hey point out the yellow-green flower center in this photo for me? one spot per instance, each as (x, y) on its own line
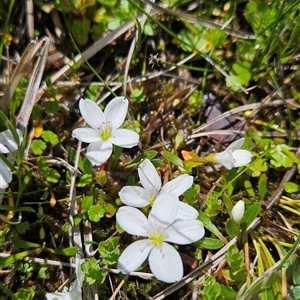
(105, 131)
(152, 200)
(156, 238)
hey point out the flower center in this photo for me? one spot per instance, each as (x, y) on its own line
(156, 239)
(105, 131)
(152, 200)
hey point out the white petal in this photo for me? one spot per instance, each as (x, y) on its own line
(3, 149)
(186, 212)
(86, 135)
(225, 158)
(7, 142)
(164, 210)
(54, 296)
(115, 111)
(178, 185)
(132, 220)
(165, 263)
(124, 138)
(134, 196)
(238, 211)
(98, 153)
(134, 255)
(79, 272)
(236, 144)
(184, 232)
(242, 157)
(5, 175)
(92, 113)
(73, 294)
(149, 177)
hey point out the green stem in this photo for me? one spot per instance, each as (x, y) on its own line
(12, 3)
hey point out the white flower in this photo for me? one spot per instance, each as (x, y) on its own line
(7, 142)
(238, 211)
(233, 156)
(7, 145)
(5, 175)
(152, 190)
(104, 131)
(160, 227)
(74, 292)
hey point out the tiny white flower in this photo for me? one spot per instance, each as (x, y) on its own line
(152, 190)
(160, 227)
(104, 131)
(238, 211)
(7, 145)
(233, 156)
(74, 292)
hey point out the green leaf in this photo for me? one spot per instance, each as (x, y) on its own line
(96, 212)
(262, 186)
(212, 292)
(50, 137)
(42, 272)
(231, 228)
(52, 175)
(93, 272)
(259, 166)
(23, 227)
(109, 250)
(209, 243)
(216, 37)
(241, 76)
(281, 156)
(296, 292)
(84, 180)
(209, 280)
(70, 251)
(101, 178)
(88, 201)
(179, 139)
(7, 261)
(24, 244)
(150, 154)
(19, 208)
(235, 258)
(52, 107)
(42, 164)
(172, 158)
(227, 202)
(192, 194)
(115, 24)
(87, 167)
(228, 293)
(291, 187)
(110, 3)
(80, 28)
(249, 188)
(25, 294)
(38, 146)
(251, 213)
(138, 95)
(148, 28)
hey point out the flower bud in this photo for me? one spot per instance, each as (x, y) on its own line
(238, 211)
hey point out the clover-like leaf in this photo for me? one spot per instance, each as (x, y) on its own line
(96, 212)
